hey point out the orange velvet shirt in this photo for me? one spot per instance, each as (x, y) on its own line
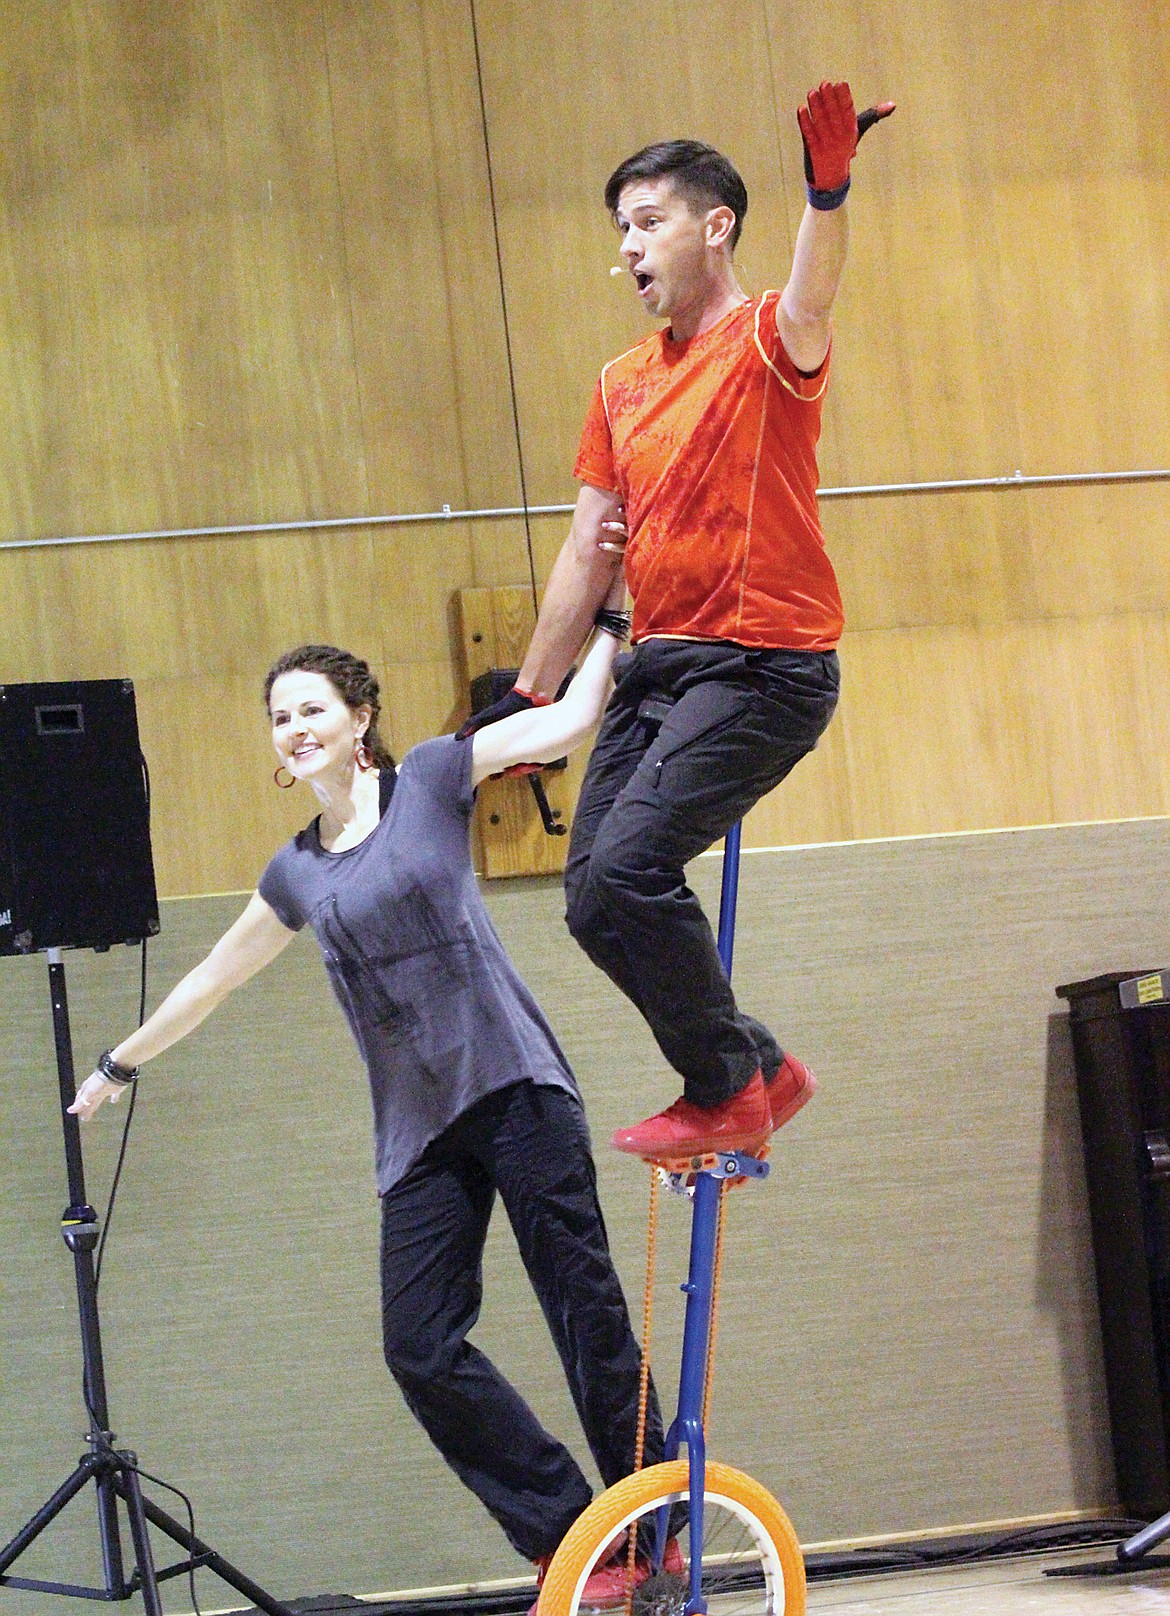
(711, 444)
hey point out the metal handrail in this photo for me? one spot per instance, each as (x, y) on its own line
(957, 485)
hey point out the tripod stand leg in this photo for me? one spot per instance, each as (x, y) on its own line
(136, 1509)
(114, 1474)
(49, 1511)
(111, 1541)
(223, 1569)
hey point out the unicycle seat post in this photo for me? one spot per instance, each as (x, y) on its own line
(699, 1291)
(699, 1288)
(752, 1544)
(725, 941)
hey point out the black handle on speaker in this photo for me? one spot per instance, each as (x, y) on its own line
(1157, 1148)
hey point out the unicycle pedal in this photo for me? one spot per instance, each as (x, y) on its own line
(737, 1166)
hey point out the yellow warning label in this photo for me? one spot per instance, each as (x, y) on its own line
(1150, 989)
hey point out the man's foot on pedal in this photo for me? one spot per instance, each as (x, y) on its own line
(605, 1587)
(790, 1086)
(741, 1123)
(673, 1564)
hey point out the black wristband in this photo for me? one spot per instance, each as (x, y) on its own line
(826, 201)
(113, 1072)
(615, 623)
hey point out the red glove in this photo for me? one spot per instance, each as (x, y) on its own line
(518, 769)
(831, 129)
(516, 701)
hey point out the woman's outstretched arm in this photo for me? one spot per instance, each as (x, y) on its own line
(255, 939)
(546, 733)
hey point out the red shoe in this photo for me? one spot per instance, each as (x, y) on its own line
(790, 1087)
(605, 1587)
(673, 1564)
(741, 1123)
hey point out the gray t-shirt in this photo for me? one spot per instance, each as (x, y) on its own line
(438, 1011)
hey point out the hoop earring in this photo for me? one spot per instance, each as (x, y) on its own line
(363, 757)
(285, 785)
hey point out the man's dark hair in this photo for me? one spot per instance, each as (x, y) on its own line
(703, 175)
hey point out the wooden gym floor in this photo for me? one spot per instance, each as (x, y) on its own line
(998, 1588)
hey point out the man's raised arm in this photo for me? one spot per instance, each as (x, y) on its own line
(830, 129)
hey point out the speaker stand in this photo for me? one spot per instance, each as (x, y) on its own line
(113, 1471)
(1132, 1555)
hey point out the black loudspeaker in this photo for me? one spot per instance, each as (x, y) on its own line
(75, 863)
(1120, 1027)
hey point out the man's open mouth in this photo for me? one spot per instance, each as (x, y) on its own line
(641, 279)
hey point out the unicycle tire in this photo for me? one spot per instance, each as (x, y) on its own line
(752, 1564)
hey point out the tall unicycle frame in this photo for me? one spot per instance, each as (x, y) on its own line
(743, 1552)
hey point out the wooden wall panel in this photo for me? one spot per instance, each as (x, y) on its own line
(1014, 554)
(247, 272)
(172, 259)
(303, 445)
(423, 284)
(248, 275)
(510, 836)
(569, 96)
(180, 608)
(1001, 202)
(973, 727)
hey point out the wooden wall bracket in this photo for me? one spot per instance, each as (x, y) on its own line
(495, 627)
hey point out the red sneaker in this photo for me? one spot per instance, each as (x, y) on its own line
(791, 1086)
(673, 1564)
(741, 1123)
(605, 1587)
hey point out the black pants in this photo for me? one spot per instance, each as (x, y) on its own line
(655, 796)
(531, 1143)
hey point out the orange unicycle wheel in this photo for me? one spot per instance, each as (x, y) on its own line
(751, 1560)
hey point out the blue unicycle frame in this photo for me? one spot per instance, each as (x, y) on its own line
(699, 1288)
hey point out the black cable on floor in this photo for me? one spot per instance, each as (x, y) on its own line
(930, 1554)
(935, 1553)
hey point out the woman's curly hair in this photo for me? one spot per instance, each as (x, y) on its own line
(349, 676)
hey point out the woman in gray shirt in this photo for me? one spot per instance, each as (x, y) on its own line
(471, 1093)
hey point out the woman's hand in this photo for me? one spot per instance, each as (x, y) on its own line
(94, 1092)
(618, 533)
(549, 732)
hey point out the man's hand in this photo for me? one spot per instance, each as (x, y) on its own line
(831, 129)
(516, 701)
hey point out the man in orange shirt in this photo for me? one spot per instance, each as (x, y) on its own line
(698, 459)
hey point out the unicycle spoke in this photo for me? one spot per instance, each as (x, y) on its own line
(740, 1569)
(751, 1561)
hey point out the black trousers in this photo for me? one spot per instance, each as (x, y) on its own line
(531, 1143)
(656, 795)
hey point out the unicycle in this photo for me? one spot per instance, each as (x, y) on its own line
(738, 1554)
